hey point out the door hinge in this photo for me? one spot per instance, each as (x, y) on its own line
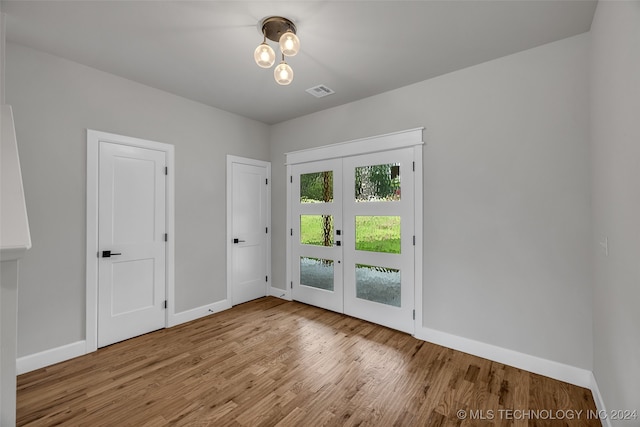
(291, 285)
(291, 232)
(291, 179)
(414, 240)
(266, 278)
(414, 315)
(414, 166)
(165, 303)
(166, 237)
(266, 230)
(166, 170)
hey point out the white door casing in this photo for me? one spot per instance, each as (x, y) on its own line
(248, 229)
(407, 146)
(129, 213)
(329, 278)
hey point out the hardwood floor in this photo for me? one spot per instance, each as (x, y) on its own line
(271, 362)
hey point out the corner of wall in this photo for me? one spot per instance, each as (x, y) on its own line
(198, 312)
(600, 406)
(50, 357)
(280, 293)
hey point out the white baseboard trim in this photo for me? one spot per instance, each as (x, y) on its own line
(549, 368)
(600, 406)
(79, 348)
(280, 293)
(198, 312)
(50, 357)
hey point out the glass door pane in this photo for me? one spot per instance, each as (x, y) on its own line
(378, 233)
(378, 284)
(375, 183)
(317, 273)
(316, 230)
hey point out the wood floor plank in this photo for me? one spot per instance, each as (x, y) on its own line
(271, 362)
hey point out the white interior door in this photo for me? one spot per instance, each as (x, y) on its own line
(378, 221)
(316, 233)
(249, 230)
(131, 242)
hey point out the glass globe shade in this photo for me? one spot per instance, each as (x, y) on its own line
(283, 74)
(289, 44)
(264, 55)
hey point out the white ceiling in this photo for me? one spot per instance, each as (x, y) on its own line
(203, 50)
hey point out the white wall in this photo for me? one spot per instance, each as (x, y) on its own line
(8, 339)
(54, 102)
(2, 50)
(615, 135)
(506, 195)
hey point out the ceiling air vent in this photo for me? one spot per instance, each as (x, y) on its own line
(320, 91)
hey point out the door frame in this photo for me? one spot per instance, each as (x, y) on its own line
(231, 159)
(373, 144)
(93, 161)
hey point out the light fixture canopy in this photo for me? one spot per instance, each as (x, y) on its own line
(283, 31)
(274, 27)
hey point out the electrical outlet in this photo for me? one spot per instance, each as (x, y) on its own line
(605, 246)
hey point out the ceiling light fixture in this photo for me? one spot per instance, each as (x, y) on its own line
(282, 31)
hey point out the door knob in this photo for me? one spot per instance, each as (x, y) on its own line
(238, 241)
(108, 254)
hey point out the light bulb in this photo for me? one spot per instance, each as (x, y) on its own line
(289, 44)
(264, 55)
(283, 74)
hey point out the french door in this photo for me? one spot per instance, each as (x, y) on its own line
(352, 236)
(317, 234)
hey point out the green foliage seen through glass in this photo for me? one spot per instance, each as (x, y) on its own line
(378, 234)
(377, 182)
(316, 230)
(316, 187)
